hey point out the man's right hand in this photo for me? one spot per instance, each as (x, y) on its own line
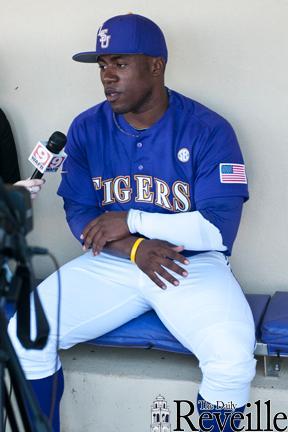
(153, 257)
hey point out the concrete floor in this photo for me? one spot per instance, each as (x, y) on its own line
(112, 389)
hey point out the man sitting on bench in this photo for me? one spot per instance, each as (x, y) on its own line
(153, 188)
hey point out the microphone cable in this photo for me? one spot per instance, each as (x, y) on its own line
(42, 251)
(55, 380)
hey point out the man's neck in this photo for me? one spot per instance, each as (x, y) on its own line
(152, 113)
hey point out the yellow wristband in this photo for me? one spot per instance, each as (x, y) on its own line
(135, 248)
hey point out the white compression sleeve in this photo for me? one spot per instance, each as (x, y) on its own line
(189, 229)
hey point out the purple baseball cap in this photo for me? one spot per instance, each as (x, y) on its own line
(127, 34)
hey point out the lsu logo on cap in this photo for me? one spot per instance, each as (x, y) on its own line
(104, 38)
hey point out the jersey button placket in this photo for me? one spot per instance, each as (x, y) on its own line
(140, 167)
(139, 145)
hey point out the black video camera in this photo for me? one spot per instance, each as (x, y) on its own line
(16, 287)
(16, 220)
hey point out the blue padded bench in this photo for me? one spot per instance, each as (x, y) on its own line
(274, 329)
(147, 331)
(271, 329)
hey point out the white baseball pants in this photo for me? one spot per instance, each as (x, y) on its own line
(207, 313)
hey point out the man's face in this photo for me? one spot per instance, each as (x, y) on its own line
(128, 82)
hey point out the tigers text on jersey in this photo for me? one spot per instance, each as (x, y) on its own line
(184, 158)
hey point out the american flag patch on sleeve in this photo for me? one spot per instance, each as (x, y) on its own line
(232, 173)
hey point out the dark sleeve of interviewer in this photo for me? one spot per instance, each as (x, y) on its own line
(9, 168)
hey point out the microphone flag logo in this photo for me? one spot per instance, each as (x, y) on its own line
(56, 162)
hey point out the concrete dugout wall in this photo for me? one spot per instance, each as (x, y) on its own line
(227, 54)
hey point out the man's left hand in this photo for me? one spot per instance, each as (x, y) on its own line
(108, 227)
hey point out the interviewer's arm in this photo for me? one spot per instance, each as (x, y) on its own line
(33, 185)
(9, 167)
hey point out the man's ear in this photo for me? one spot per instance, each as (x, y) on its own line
(157, 66)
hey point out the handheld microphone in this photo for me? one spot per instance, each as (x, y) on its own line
(41, 155)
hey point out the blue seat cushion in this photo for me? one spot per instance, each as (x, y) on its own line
(258, 304)
(274, 329)
(147, 331)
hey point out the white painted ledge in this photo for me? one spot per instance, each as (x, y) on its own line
(112, 389)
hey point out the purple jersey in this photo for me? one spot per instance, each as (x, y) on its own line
(187, 157)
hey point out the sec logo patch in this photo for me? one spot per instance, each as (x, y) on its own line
(183, 154)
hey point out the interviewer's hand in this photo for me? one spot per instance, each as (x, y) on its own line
(33, 185)
(105, 228)
(153, 257)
